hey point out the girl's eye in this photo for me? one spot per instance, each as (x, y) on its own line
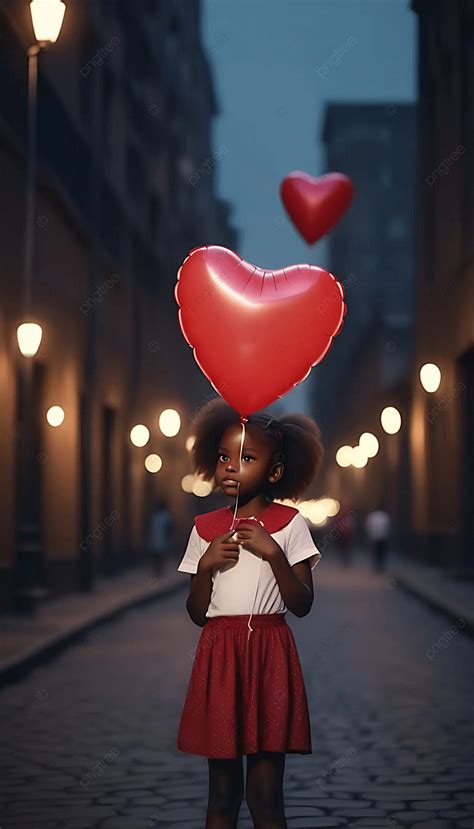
(221, 455)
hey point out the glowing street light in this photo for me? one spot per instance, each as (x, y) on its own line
(201, 488)
(331, 506)
(430, 377)
(391, 420)
(344, 456)
(188, 482)
(317, 512)
(153, 463)
(369, 444)
(170, 422)
(305, 508)
(47, 18)
(139, 435)
(359, 457)
(29, 336)
(55, 415)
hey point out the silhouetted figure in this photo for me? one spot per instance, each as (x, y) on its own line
(377, 527)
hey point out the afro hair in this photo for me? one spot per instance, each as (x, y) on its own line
(299, 448)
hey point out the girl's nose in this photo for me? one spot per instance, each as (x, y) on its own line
(230, 467)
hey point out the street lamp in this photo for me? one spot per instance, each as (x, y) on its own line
(317, 512)
(430, 377)
(47, 17)
(344, 456)
(187, 483)
(29, 335)
(139, 435)
(55, 415)
(369, 443)
(29, 577)
(169, 422)
(153, 463)
(391, 420)
(201, 488)
(331, 506)
(359, 457)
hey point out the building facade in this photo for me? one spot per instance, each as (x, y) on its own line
(424, 473)
(124, 189)
(442, 423)
(371, 251)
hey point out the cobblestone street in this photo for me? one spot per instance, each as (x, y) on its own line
(89, 738)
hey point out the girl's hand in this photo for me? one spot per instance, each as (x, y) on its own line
(256, 539)
(221, 550)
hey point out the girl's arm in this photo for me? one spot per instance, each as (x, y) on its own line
(295, 583)
(199, 596)
(220, 551)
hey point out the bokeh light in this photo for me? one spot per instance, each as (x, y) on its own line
(359, 457)
(29, 336)
(430, 377)
(201, 488)
(153, 463)
(169, 422)
(369, 444)
(344, 456)
(187, 483)
(139, 435)
(391, 420)
(55, 415)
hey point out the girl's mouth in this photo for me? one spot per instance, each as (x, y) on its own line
(228, 482)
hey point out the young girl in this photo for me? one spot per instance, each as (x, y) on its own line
(249, 562)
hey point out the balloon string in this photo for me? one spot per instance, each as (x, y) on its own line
(243, 421)
(242, 438)
(254, 597)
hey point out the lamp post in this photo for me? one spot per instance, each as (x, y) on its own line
(47, 17)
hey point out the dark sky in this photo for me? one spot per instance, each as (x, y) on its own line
(266, 55)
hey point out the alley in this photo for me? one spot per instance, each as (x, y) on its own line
(89, 738)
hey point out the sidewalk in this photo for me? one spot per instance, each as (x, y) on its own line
(452, 597)
(26, 640)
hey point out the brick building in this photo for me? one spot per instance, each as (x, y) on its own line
(371, 251)
(125, 189)
(442, 424)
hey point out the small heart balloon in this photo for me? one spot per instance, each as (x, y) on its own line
(315, 205)
(256, 333)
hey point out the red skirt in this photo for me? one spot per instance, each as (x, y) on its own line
(246, 691)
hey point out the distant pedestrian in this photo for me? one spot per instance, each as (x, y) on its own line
(378, 527)
(160, 534)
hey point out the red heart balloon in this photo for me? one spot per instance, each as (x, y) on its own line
(315, 205)
(256, 333)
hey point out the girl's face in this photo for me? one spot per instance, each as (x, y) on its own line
(257, 468)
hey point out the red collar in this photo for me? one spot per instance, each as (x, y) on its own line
(211, 524)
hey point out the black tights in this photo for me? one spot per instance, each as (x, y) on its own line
(263, 791)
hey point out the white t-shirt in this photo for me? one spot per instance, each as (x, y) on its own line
(249, 585)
